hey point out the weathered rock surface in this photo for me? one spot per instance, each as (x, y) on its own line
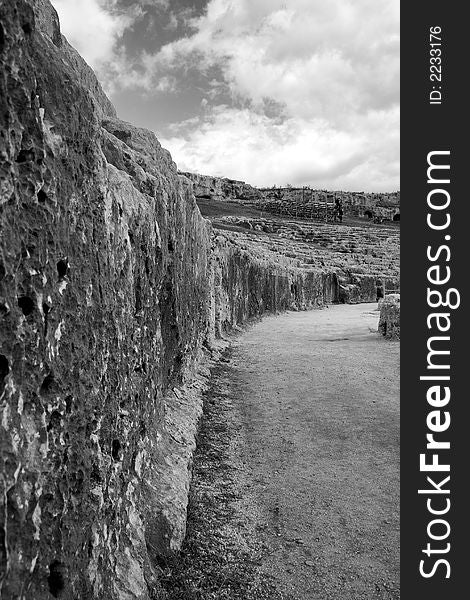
(112, 289)
(222, 188)
(104, 298)
(389, 321)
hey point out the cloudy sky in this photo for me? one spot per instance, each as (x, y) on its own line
(304, 92)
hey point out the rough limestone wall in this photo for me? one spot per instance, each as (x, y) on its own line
(389, 321)
(357, 288)
(111, 286)
(104, 300)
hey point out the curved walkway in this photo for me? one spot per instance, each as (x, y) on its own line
(316, 396)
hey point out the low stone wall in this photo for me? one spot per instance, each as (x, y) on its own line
(248, 282)
(389, 321)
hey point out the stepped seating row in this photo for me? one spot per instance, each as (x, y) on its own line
(366, 250)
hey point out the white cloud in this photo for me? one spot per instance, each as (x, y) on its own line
(93, 27)
(318, 82)
(314, 56)
(333, 67)
(249, 146)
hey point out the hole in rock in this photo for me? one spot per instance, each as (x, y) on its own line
(68, 404)
(161, 561)
(4, 369)
(47, 383)
(171, 246)
(46, 309)
(2, 271)
(56, 579)
(42, 196)
(26, 304)
(25, 156)
(396, 217)
(54, 420)
(138, 296)
(116, 450)
(62, 267)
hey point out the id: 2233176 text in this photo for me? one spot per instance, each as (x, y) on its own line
(435, 64)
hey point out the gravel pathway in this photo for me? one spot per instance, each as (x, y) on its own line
(295, 492)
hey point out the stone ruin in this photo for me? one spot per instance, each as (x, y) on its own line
(300, 202)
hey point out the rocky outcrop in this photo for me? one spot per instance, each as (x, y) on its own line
(104, 302)
(389, 321)
(222, 188)
(113, 289)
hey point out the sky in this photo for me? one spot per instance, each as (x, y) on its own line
(272, 92)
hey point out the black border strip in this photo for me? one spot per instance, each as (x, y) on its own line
(425, 128)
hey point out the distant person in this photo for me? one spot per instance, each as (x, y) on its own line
(338, 210)
(380, 290)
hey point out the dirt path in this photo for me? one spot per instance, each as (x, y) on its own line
(308, 408)
(317, 393)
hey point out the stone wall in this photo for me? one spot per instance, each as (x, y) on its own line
(248, 282)
(389, 321)
(113, 289)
